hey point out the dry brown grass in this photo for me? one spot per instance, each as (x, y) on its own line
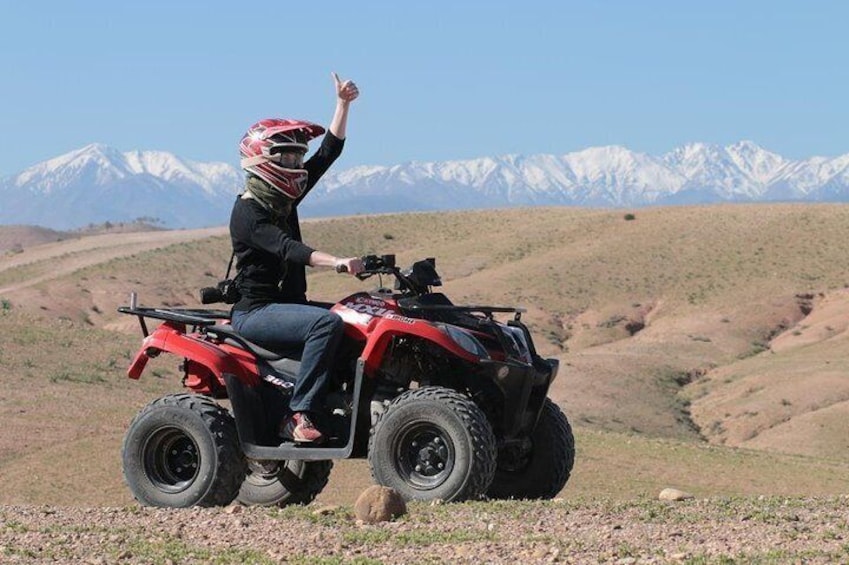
(721, 347)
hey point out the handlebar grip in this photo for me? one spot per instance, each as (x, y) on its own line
(341, 268)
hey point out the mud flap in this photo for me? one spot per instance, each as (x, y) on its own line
(257, 419)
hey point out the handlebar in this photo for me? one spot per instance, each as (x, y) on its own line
(379, 264)
(373, 265)
(421, 276)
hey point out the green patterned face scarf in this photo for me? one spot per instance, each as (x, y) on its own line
(271, 198)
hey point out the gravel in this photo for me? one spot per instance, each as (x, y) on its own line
(770, 530)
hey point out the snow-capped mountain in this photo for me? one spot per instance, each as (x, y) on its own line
(598, 176)
(97, 183)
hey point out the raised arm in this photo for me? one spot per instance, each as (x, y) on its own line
(346, 92)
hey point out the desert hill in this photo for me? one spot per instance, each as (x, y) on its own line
(14, 239)
(17, 238)
(701, 346)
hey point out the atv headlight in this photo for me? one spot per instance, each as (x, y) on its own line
(465, 340)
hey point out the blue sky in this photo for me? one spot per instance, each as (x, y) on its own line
(439, 80)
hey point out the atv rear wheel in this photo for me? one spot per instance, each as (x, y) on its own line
(433, 443)
(540, 468)
(283, 482)
(183, 450)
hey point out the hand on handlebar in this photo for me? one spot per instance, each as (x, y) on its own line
(351, 265)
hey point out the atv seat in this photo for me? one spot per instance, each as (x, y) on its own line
(227, 334)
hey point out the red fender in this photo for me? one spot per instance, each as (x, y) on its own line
(171, 337)
(391, 326)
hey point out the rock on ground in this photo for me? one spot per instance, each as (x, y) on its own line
(379, 504)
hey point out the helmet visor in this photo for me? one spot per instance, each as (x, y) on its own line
(288, 155)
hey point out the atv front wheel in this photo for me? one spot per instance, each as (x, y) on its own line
(433, 443)
(183, 450)
(283, 482)
(540, 468)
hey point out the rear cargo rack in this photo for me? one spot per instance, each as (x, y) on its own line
(197, 317)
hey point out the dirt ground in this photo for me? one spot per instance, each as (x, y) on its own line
(745, 530)
(760, 396)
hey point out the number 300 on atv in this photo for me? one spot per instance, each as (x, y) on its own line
(445, 401)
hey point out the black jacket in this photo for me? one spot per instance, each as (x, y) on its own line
(270, 255)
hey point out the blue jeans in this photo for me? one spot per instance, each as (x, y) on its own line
(286, 327)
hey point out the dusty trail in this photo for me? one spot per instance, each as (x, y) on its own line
(54, 260)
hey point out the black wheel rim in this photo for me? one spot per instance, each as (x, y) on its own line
(171, 459)
(424, 455)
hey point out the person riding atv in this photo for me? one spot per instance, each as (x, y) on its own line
(270, 255)
(445, 401)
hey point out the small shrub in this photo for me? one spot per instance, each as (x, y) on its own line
(629, 217)
(757, 347)
(388, 236)
(5, 305)
(72, 377)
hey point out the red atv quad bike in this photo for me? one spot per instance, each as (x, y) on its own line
(445, 401)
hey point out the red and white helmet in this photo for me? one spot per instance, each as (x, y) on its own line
(273, 150)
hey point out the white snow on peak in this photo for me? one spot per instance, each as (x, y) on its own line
(99, 164)
(97, 181)
(170, 168)
(758, 163)
(96, 163)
